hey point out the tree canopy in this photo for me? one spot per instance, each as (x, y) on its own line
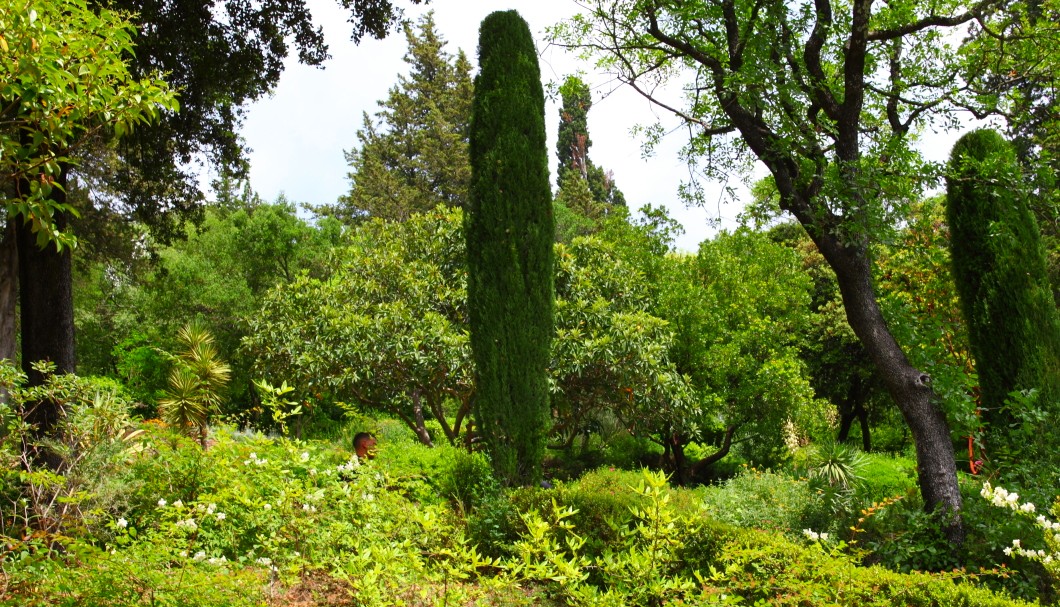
(826, 96)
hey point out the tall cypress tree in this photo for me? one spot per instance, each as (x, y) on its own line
(509, 230)
(1005, 295)
(572, 149)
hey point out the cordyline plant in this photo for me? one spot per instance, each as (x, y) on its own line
(196, 383)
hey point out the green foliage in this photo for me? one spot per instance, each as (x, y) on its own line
(887, 476)
(196, 382)
(274, 400)
(509, 230)
(584, 188)
(640, 569)
(253, 520)
(65, 81)
(764, 569)
(385, 331)
(93, 439)
(770, 501)
(609, 353)
(414, 155)
(1006, 298)
(93, 576)
(127, 310)
(468, 481)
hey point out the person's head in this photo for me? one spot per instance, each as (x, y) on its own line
(364, 445)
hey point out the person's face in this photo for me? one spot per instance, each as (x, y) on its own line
(366, 449)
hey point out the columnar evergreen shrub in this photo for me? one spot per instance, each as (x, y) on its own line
(509, 230)
(999, 268)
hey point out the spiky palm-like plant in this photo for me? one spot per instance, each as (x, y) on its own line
(196, 383)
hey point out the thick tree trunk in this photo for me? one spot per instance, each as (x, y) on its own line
(677, 444)
(910, 388)
(47, 315)
(8, 292)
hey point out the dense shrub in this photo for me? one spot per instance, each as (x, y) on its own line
(769, 501)
(765, 567)
(903, 538)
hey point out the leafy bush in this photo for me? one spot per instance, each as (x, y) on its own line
(468, 480)
(768, 569)
(903, 538)
(92, 441)
(768, 501)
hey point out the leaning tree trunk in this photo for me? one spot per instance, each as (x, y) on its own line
(910, 387)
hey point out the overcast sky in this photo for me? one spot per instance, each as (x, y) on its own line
(297, 136)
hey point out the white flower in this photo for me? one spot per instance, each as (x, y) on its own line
(1048, 559)
(1013, 498)
(1028, 507)
(220, 516)
(217, 560)
(312, 472)
(253, 456)
(1015, 543)
(305, 456)
(264, 561)
(211, 508)
(122, 523)
(268, 506)
(1007, 551)
(162, 503)
(824, 536)
(189, 523)
(200, 555)
(183, 554)
(1042, 521)
(178, 504)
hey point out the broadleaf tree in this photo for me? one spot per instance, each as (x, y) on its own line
(64, 81)
(827, 96)
(510, 230)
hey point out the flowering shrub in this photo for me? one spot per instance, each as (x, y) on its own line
(1050, 530)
